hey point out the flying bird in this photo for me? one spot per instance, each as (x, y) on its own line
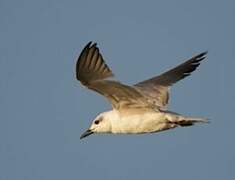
(137, 109)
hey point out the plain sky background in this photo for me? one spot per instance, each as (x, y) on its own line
(44, 109)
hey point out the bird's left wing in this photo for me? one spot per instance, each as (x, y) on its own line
(156, 89)
(93, 72)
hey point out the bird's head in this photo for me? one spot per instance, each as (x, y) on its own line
(101, 124)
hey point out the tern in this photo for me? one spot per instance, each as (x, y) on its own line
(137, 109)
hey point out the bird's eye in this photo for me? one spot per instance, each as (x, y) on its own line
(97, 122)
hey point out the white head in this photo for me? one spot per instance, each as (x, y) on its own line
(101, 124)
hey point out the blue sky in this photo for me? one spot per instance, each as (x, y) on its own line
(43, 109)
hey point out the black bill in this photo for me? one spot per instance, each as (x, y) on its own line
(86, 133)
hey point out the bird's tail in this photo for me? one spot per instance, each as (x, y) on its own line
(189, 121)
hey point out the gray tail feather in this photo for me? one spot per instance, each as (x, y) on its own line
(191, 121)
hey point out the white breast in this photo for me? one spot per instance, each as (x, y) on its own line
(138, 123)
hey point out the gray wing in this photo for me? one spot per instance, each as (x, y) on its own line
(93, 72)
(156, 89)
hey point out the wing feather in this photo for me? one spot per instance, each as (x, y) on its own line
(93, 72)
(88, 65)
(157, 88)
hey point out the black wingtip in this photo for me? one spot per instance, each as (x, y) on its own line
(89, 44)
(200, 57)
(85, 48)
(94, 45)
(83, 53)
(203, 53)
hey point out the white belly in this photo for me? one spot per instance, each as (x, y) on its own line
(140, 123)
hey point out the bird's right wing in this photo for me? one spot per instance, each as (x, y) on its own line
(93, 72)
(156, 89)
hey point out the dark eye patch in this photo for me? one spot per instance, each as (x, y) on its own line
(97, 122)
